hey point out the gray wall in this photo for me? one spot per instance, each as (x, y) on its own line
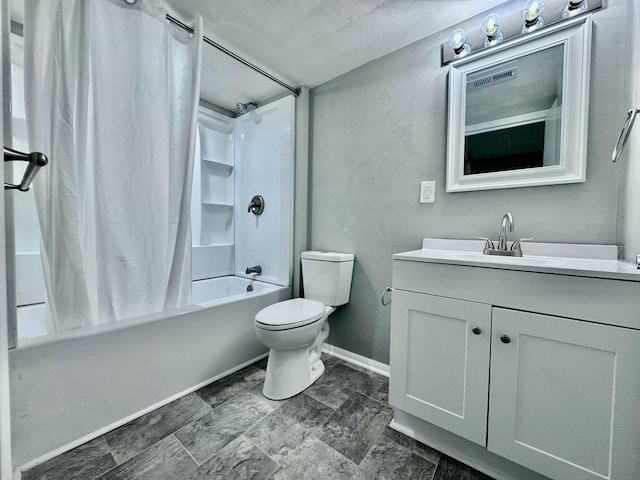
(379, 130)
(631, 157)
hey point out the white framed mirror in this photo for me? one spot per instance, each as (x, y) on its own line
(518, 112)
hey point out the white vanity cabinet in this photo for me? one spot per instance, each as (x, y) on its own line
(440, 367)
(564, 396)
(532, 382)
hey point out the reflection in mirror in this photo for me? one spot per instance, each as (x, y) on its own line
(513, 114)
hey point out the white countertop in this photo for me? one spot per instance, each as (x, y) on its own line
(583, 260)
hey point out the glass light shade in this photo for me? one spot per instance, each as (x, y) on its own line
(456, 42)
(531, 14)
(575, 7)
(491, 28)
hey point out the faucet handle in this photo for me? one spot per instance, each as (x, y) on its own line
(488, 243)
(516, 245)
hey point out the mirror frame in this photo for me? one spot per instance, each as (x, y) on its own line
(575, 36)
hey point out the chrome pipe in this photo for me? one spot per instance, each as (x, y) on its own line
(294, 90)
(624, 134)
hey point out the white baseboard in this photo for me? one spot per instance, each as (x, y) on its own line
(359, 360)
(93, 435)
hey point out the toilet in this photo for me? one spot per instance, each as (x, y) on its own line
(295, 330)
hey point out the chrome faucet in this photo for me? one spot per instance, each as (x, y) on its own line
(503, 246)
(257, 270)
(507, 222)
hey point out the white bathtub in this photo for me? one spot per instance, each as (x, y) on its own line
(75, 385)
(32, 319)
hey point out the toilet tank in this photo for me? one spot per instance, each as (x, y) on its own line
(327, 277)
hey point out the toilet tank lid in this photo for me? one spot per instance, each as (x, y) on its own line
(328, 256)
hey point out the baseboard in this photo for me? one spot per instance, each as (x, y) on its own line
(356, 359)
(93, 435)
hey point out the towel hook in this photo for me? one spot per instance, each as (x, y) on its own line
(36, 161)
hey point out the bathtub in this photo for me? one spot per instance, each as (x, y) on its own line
(73, 386)
(32, 319)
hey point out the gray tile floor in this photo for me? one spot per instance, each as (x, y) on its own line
(337, 428)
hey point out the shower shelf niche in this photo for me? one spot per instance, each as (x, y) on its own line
(225, 168)
(213, 197)
(218, 204)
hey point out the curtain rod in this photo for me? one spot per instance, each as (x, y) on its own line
(175, 21)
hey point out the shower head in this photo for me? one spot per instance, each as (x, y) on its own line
(246, 107)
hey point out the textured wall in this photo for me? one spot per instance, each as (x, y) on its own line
(631, 158)
(379, 130)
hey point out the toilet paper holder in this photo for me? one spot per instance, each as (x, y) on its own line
(382, 297)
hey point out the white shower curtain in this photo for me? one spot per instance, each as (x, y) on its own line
(111, 94)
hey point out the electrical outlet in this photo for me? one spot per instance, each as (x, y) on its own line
(428, 191)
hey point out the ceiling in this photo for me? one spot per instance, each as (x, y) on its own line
(305, 42)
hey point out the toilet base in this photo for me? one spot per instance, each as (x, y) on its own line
(290, 372)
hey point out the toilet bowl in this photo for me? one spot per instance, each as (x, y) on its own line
(294, 330)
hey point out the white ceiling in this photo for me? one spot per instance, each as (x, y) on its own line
(306, 42)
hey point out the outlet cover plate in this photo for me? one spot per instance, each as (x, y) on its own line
(428, 191)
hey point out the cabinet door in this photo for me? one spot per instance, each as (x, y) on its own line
(564, 396)
(439, 366)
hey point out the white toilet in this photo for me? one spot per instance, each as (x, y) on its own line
(295, 329)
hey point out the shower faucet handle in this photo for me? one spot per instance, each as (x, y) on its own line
(257, 270)
(256, 205)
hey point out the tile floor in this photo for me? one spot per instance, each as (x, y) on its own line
(337, 428)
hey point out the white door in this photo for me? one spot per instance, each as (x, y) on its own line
(564, 396)
(440, 361)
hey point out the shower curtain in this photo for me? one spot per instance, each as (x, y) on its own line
(111, 94)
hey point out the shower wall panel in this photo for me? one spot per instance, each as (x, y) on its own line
(213, 196)
(264, 166)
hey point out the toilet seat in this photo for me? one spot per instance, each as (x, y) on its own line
(294, 313)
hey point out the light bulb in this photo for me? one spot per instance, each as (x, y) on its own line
(491, 28)
(456, 42)
(575, 7)
(531, 14)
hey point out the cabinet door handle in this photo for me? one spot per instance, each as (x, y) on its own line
(505, 339)
(476, 331)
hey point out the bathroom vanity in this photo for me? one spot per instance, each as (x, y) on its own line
(519, 365)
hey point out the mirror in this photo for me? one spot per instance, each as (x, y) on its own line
(518, 111)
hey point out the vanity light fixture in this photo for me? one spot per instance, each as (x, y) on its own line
(456, 42)
(531, 13)
(491, 28)
(575, 7)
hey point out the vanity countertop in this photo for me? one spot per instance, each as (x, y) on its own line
(582, 260)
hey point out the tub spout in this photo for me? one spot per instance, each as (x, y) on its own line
(257, 270)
